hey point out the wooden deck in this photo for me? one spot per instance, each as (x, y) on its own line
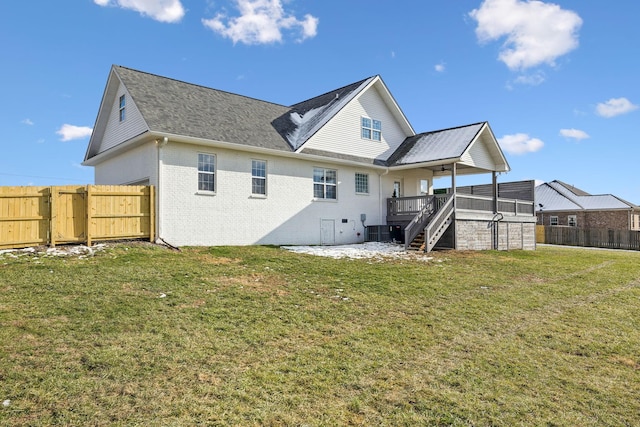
(402, 210)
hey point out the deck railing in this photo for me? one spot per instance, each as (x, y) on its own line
(403, 206)
(422, 218)
(485, 204)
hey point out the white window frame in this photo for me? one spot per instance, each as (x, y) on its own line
(203, 171)
(324, 184)
(256, 178)
(572, 220)
(553, 220)
(370, 129)
(364, 180)
(122, 107)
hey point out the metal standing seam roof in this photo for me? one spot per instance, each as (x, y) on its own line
(558, 196)
(438, 145)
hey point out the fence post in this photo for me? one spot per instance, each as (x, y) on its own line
(152, 213)
(53, 215)
(88, 217)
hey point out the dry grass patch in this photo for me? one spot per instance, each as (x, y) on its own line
(141, 335)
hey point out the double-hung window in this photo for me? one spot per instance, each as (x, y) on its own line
(259, 177)
(122, 108)
(572, 221)
(206, 172)
(553, 220)
(325, 183)
(371, 129)
(362, 183)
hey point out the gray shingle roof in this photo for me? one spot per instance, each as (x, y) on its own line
(175, 107)
(306, 118)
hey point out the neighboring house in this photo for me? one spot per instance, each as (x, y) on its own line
(233, 170)
(558, 203)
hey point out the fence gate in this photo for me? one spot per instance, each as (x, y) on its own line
(75, 214)
(68, 222)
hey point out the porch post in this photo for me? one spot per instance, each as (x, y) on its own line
(494, 181)
(455, 191)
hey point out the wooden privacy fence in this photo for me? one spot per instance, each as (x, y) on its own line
(75, 214)
(592, 237)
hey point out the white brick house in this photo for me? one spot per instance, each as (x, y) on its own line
(232, 170)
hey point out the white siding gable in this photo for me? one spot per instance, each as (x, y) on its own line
(479, 156)
(342, 134)
(117, 132)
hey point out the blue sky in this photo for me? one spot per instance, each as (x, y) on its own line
(557, 81)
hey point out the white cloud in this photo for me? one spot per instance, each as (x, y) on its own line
(520, 143)
(440, 67)
(27, 122)
(261, 22)
(160, 10)
(574, 134)
(71, 132)
(536, 32)
(615, 107)
(534, 79)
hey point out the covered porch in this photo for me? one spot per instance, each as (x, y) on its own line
(424, 220)
(467, 217)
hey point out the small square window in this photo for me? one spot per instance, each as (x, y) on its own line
(325, 183)
(371, 129)
(553, 220)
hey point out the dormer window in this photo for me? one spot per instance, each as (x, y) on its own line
(371, 129)
(123, 104)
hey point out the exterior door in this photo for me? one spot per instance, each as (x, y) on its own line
(327, 232)
(397, 188)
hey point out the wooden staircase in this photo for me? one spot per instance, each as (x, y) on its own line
(417, 244)
(436, 225)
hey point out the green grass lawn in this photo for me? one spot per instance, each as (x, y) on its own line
(253, 336)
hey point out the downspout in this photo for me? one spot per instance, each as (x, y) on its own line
(380, 195)
(159, 189)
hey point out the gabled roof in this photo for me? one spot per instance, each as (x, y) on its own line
(447, 145)
(559, 196)
(304, 119)
(192, 112)
(177, 108)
